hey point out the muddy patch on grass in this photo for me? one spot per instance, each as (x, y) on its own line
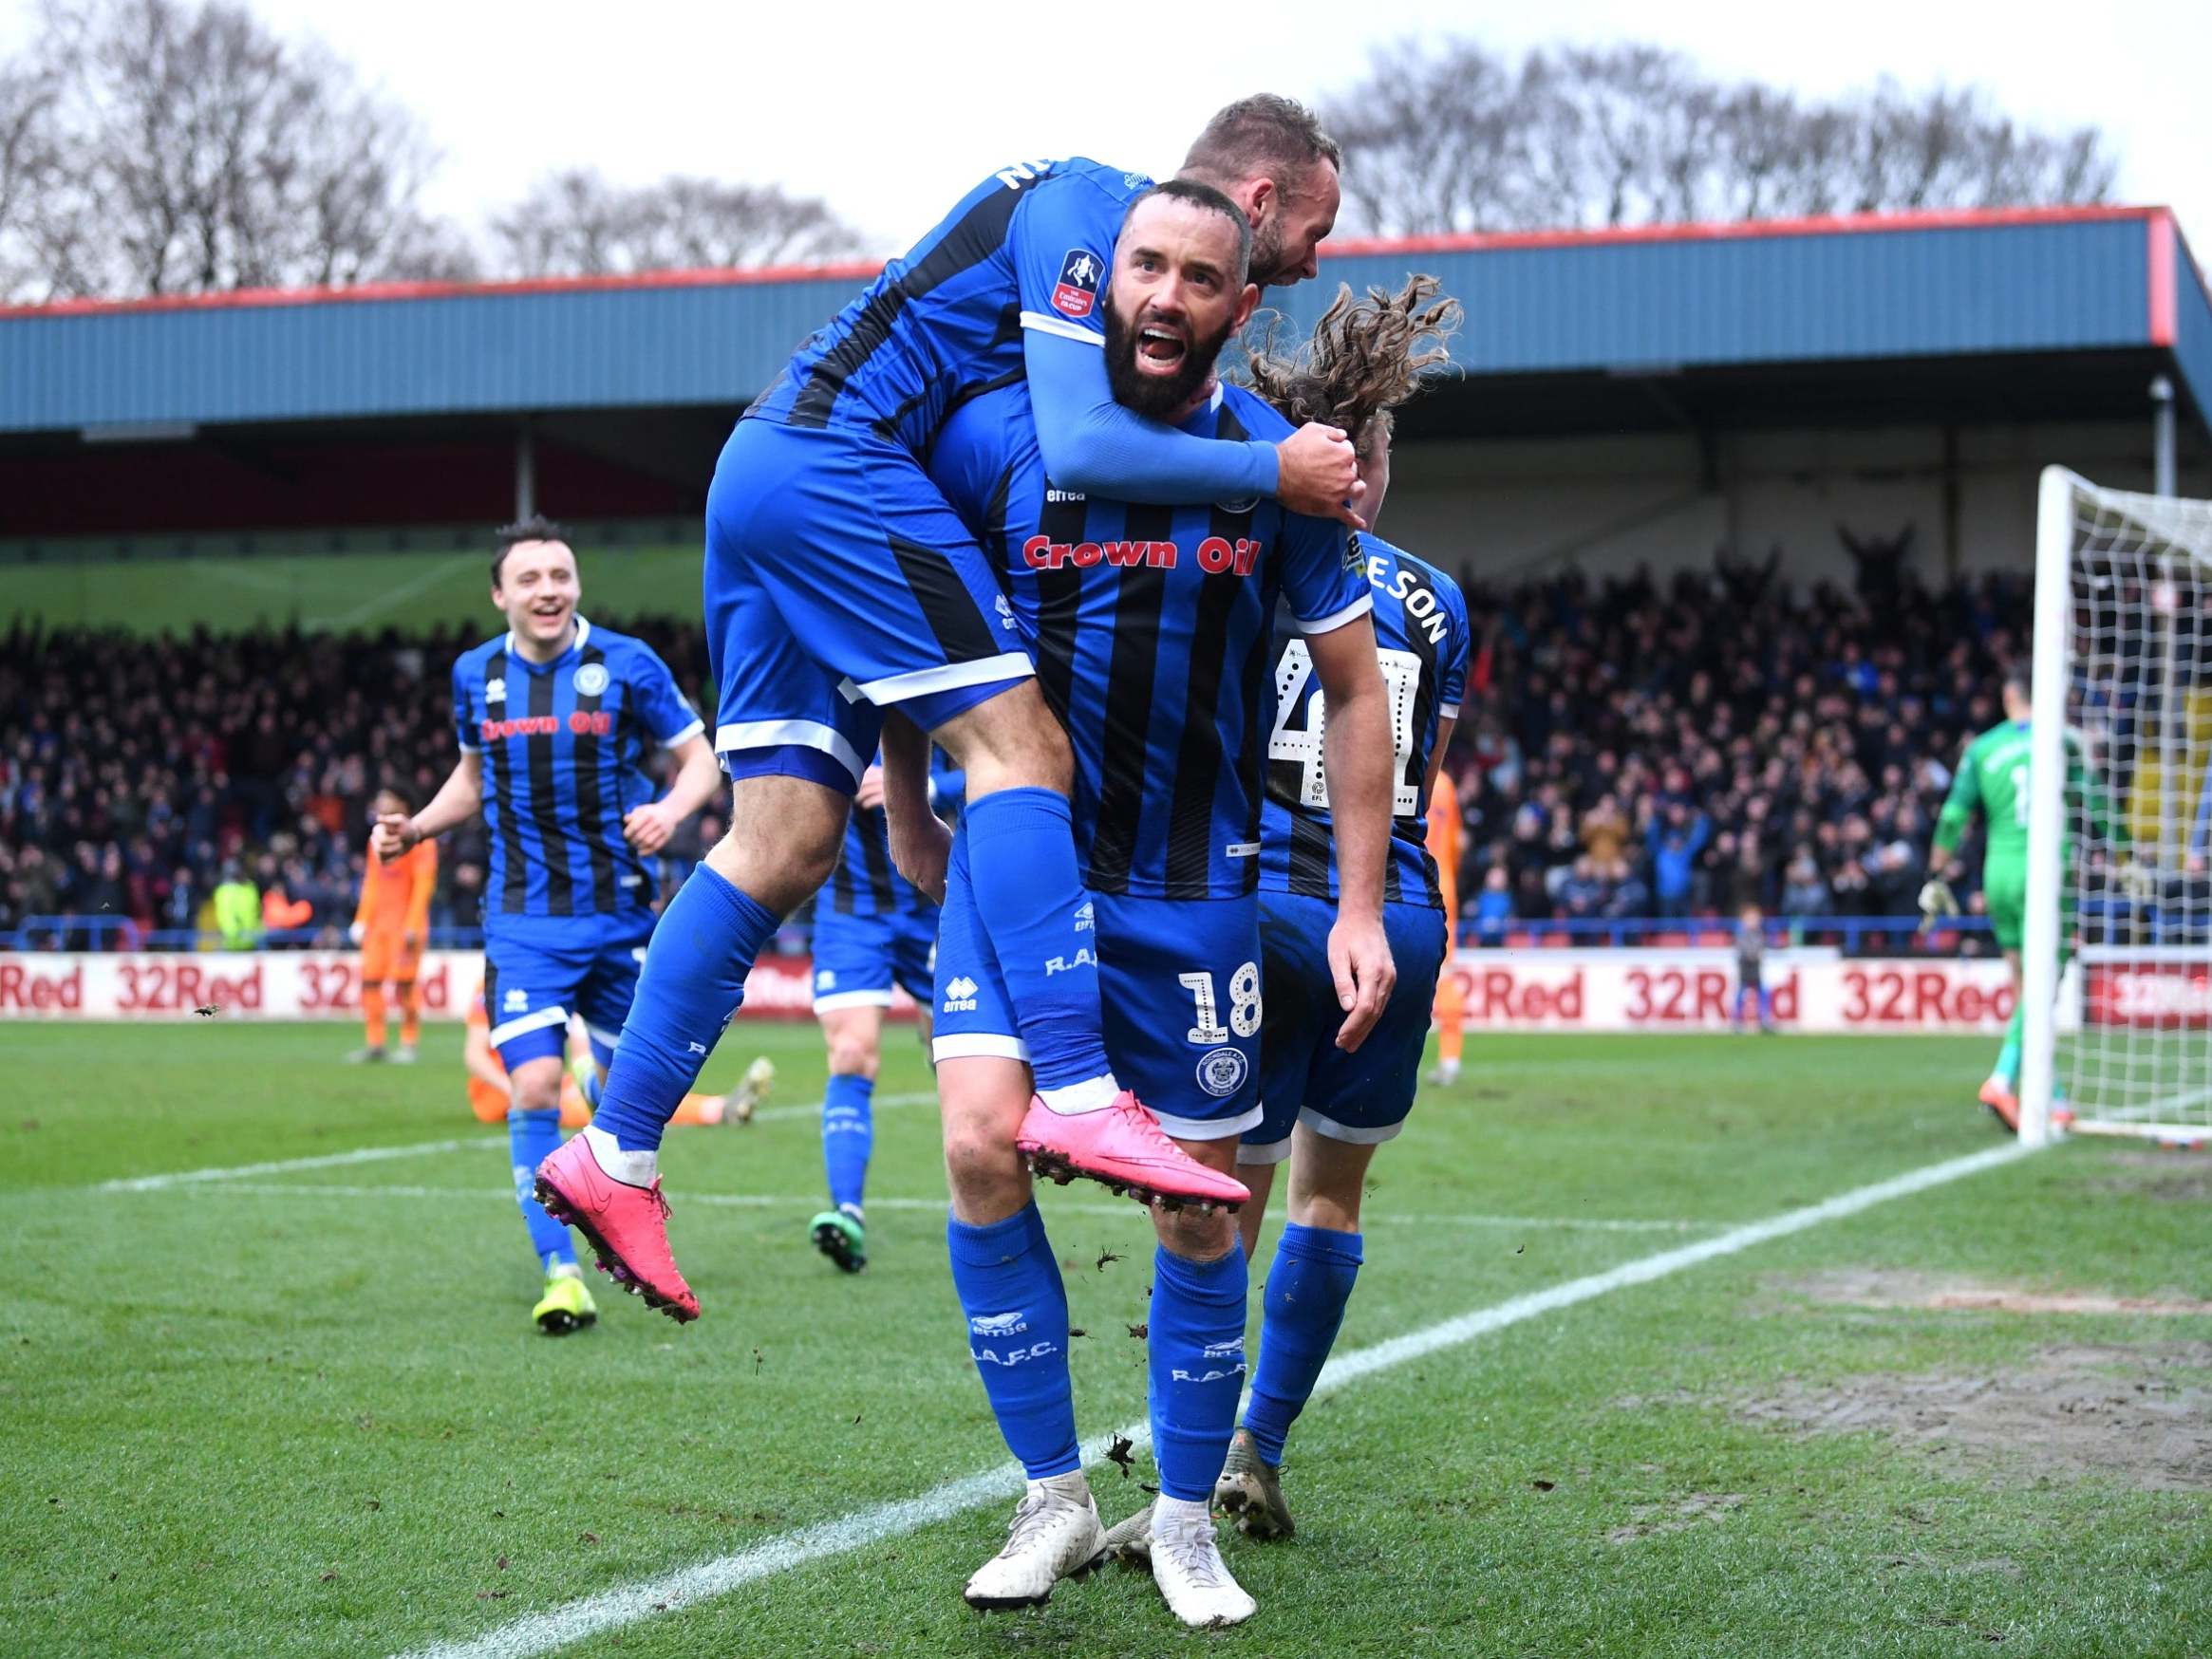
(1676, 1514)
(2162, 1176)
(2080, 1410)
(1886, 1288)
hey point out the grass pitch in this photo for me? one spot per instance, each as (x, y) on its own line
(301, 1410)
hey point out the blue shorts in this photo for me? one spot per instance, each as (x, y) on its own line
(1362, 1096)
(840, 582)
(1180, 980)
(857, 959)
(540, 969)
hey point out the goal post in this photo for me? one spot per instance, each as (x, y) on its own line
(2119, 817)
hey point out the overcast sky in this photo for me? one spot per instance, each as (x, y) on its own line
(892, 120)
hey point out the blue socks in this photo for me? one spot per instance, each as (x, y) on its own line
(848, 1133)
(1029, 897)
(1017, 1309)
(693, 980)
(1308, 1287)
(532, 1138)
(1197, 1358)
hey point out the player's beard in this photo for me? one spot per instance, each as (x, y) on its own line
(1158, 397)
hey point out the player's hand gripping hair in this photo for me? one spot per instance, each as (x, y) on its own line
(1319, 474)
(1359, 758)
(1936, 903)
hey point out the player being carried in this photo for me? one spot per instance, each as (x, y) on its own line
(555, 718)
(1150, 627)
(1328, 1104)
(840, 584)
(390, 924)
(873, 930)
(1993, 779)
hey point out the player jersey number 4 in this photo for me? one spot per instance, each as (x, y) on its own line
(1422, 641)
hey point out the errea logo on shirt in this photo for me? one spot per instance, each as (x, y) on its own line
(495, 690)
(515, 1003)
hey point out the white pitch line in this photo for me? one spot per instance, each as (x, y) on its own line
(749, 1201)
(543, 1632)
(417, 1149)
(770, 1114)
(324, 1161)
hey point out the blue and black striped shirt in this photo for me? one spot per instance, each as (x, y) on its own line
(564, 746)
(1150, 626)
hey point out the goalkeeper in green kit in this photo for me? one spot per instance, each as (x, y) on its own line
(1993, 779)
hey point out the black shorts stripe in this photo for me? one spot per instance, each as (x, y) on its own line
(591, 791)
(975, 238)
(875, 851)
(545, 807)
(513, 896)
(964, 633)
(1132, 669)
(1198, 760)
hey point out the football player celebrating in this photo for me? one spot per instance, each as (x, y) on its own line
(1327, 1105)
(1150, 627)
(840, 583)
(554, 718)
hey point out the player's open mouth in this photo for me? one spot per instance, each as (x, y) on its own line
(1160, 348)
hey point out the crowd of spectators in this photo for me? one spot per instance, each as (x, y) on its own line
(1629, 748)
(139, 777)
(1635, 748)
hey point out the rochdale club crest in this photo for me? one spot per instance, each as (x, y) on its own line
(1221, 1071)
(591, 680)
(1078, 290)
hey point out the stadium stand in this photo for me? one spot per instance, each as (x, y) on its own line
(1631, 753)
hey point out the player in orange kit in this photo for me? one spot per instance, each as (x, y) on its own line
(391, 924)
(489, 1093)
(1444, 846)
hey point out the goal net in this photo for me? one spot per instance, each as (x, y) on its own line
(2117, 954)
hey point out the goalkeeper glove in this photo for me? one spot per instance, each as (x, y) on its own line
(1937, 902)
(357, 932)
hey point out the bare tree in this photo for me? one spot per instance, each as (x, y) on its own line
(577, 224)
(1452, 137)
(26, 167)
(205, 154)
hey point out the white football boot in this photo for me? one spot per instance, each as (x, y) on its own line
(1055, 1532)
(1188, 1567)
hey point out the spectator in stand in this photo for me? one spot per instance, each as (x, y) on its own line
(1493, 906)
(1675, 837)
(237, 906)
(1781, 719)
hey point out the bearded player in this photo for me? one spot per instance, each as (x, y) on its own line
(1150, 627)
(840, 584)
(1326, 1106)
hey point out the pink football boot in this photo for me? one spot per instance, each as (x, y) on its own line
(1124, 1146)
(625, 1225)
